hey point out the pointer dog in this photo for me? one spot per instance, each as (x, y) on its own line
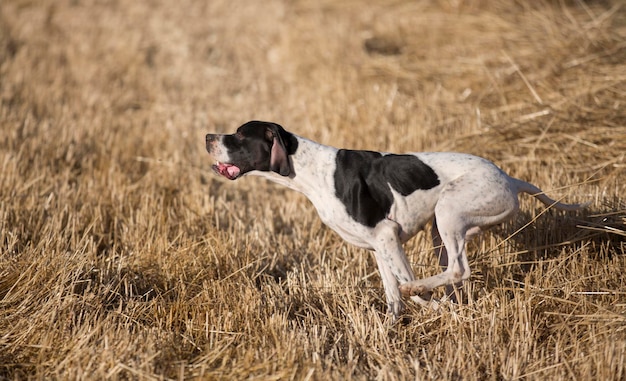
(378, 201)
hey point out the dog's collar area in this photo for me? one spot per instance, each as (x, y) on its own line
(230, 171)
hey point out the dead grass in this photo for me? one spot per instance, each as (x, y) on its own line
(122, 257)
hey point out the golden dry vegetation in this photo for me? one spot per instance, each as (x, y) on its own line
(123, 257)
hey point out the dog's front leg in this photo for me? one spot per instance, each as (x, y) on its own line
(395, 306)
(393, 265)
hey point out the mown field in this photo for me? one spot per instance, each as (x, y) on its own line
(123, 257)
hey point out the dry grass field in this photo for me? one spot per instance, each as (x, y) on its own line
(123, 257)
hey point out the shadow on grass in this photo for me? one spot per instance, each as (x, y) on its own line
(537, 241)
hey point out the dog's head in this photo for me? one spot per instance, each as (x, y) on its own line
(256, 146)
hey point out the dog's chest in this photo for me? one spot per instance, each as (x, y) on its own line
(333, 214)
(349, 229)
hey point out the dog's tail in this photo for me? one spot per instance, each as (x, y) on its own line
(523, 186)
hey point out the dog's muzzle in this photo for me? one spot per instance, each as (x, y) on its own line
(227, 170)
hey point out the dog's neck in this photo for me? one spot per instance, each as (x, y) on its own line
(312, 168)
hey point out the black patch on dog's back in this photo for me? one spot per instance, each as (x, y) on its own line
(362, 180)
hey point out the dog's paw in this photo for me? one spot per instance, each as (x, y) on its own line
(414, 288)
(395, 309)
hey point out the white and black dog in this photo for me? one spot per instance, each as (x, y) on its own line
(378, 201)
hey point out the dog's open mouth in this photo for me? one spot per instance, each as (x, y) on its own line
(230, 171)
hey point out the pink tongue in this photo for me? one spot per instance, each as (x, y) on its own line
(232, 170)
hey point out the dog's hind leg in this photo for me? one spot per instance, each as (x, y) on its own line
(453, 291)
(462, 209)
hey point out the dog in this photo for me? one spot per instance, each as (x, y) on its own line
(378, 200)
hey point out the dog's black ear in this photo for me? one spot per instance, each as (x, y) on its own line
(279, 158)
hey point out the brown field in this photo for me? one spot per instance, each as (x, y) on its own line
(123, 257)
